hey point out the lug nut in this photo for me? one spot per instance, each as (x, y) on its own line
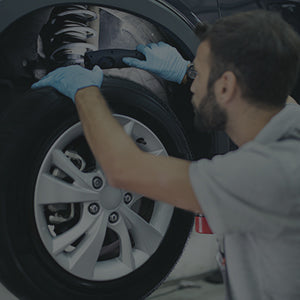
(97, 182)
(114, 217)
(94, 208)
(127, 198)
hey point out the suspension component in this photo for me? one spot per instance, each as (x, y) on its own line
(61, 212)
(59, 217)
(67, 35)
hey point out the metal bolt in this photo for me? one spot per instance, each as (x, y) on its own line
(141, 141)
(94, 208)
(97, 182)
(127, 198)
(114, 217)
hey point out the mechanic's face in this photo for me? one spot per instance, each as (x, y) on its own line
(208, 113)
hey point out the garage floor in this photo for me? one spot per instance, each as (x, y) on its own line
(195, 289)
(191, 289)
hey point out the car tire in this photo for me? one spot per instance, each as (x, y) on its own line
(30, 134)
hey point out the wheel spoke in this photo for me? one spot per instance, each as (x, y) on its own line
(128, 127)
(158, 152)
(62, 162)
(61, 242)
(146, 237)
(84, 258)
(126, 255)
(52, 190)
(136, 198)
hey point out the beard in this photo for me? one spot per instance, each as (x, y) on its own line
(209, 115)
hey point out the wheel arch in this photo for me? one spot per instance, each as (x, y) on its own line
(158, 12)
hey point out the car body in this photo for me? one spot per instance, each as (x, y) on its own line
(49, 227)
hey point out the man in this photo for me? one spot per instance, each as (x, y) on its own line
(246, 66)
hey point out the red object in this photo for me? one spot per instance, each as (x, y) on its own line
(201, 225)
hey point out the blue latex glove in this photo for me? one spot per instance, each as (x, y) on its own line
(161, 59)
(68, 80)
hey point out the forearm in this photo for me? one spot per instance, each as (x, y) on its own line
(107, 139)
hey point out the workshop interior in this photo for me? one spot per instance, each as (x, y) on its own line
(64, 232)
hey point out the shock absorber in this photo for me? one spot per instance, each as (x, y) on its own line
(68, 35)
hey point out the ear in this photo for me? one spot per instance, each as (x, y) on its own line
(225, 87)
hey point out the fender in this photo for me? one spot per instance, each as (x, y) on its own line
(156, 11)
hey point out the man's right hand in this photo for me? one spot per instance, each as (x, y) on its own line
(68, 80)
(161, 59)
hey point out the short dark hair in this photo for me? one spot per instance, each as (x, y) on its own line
(261, 49)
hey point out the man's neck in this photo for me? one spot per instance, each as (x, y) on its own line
(247, 123)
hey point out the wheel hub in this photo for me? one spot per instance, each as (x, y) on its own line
(110, 198)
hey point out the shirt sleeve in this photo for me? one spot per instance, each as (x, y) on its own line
(241, 191)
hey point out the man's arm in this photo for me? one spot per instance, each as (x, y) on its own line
(124, 164)
(161, 178)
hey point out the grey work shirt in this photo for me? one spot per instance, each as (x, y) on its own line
(251, 196)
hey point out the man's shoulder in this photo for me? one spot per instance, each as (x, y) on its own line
(251, 159)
